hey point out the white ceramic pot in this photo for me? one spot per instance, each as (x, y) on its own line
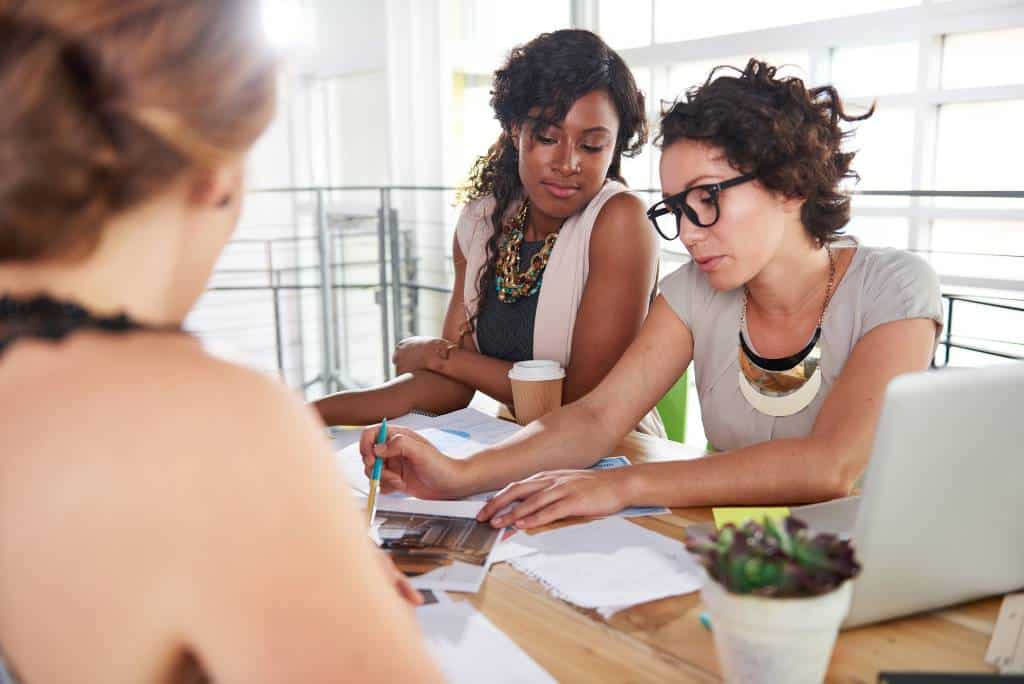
(771, 640)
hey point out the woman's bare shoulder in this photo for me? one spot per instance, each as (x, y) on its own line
(622, 236)
(154, 384)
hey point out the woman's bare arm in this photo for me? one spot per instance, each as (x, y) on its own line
(824, 465)
(278, 581)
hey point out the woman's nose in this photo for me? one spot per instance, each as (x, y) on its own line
(568, 160)
(689, 232)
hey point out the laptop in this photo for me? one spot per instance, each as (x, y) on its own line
(941, 517)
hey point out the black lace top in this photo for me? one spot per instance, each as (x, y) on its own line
(43, 317)
(505, 330)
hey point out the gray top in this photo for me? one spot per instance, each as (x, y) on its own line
(881, 285)
(505, 331)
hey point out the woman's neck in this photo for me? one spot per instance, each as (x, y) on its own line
(792, 283)
(540, 225)
(128, 272)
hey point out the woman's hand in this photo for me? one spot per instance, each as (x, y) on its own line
(412, 465)
(419, 353)
(549, 496)
(398, 579)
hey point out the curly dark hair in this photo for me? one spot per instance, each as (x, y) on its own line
(548, 74)
(785, 134)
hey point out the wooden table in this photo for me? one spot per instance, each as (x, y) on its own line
(663, 641)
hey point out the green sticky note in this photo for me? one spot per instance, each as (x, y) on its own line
(738, 516)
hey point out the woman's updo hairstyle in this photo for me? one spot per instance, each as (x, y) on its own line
(107, 102)
(785, 134)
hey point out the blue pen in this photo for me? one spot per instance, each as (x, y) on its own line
(378, 465)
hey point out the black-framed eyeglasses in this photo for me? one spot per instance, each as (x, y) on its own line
(699, 204)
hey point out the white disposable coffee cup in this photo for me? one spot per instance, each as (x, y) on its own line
(536, 388)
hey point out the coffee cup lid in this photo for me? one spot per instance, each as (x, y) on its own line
(536, 370)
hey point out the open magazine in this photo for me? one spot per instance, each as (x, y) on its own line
(437, 544)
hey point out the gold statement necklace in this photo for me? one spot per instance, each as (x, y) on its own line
(782, 387)
(509, 283)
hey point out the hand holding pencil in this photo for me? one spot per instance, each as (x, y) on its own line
(378, 465)
(411, 465)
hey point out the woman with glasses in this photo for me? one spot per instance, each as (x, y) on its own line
(553, 257)
(164, 516)
(793, 329)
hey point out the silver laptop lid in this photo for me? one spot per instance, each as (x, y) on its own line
(941, 519)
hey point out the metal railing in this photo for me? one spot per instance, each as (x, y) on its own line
(318, 265)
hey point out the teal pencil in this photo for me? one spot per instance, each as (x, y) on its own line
(705, 621)
(378, 465)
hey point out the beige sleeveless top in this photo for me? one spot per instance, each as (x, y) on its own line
(565, 277)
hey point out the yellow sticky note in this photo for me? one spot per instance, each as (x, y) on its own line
(738, 516)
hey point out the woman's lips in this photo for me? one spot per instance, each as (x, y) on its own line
(709, 264)
(560, 191)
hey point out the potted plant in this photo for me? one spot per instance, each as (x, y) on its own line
(777, 594)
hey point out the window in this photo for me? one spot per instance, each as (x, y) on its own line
(875, 69)
(503, 25)
(677, 21)
(979, 147)
(474, 128)
(884, 145)
(640, 171)
(624, 23)
(884, 231)
(978, 249)
(989, 58)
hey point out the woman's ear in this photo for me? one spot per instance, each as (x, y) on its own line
(793, 205)
(513, 137)
(216, 188)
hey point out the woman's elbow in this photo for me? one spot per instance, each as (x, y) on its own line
(838, 486)
(839, 479)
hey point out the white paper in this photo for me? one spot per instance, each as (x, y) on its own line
(609, 564)
(477, 425)
(450, 441)
(351, 464)
(1006, 648)
(470, 649)
(343, 435)
(456, 509)
(509, 549)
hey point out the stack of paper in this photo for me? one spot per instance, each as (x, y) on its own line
(470, 649)
(608, 564)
